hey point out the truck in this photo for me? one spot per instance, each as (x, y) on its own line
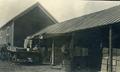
(30, 53)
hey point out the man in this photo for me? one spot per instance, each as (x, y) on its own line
(4, 52)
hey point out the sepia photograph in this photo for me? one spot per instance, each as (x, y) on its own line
(59, 36)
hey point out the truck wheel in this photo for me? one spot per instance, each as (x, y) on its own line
(14, 58)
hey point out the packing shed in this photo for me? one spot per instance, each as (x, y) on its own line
(89, 43)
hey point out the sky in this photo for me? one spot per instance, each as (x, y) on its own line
(61, 10)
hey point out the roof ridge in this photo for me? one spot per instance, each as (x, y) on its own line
(37, 4)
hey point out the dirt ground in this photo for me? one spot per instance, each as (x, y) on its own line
(12, 67)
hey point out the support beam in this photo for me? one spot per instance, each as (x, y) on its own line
(72, 45)
(12, 40)
(53, 53)
(110, 50)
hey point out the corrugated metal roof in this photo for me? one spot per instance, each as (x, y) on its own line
(104, 17)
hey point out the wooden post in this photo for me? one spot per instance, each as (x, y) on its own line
(12, 35)
(53, 53)
(110, 49)
(72, 45)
